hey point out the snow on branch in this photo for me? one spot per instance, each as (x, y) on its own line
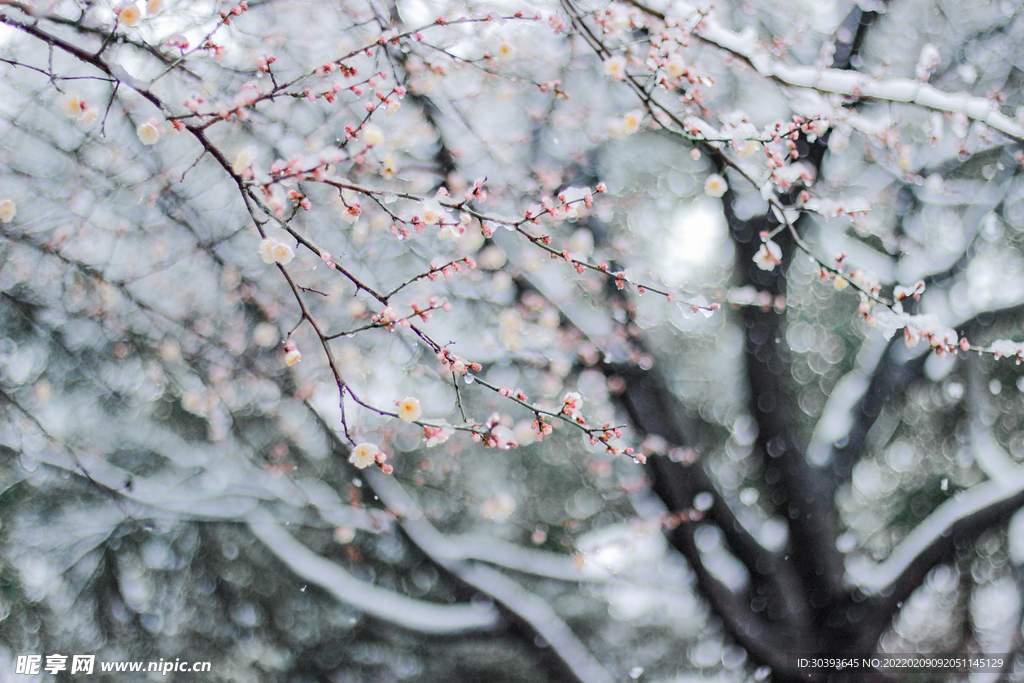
(403, 611)
(876, 578)
(525, 605)
(851, 83)
(841, 408)
(539, 614)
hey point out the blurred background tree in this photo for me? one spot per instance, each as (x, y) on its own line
(416, 341)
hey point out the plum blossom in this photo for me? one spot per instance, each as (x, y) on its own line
(292, 355)
(243, 161)
(927, 326)
(350, 214)
(506, 51)
(149, 132)
(409, 409)
(433, 213)
(74, 107)
(616, 19)
(900, 292)
(675, 67)
(364, 455)
(911, 336)
(436, 435)
(615, 67)
(747, 147)
(275, 251)
(571, 404)
(372, 135)
(128, 13)
(503, 437)
(8, 209)
(631, 122)
(768, 256)
(715, 185)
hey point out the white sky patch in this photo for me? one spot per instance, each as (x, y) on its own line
(694, 237)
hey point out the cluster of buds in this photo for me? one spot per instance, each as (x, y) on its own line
(177, 40)
(477, 192)
(386, 318)
(389, 36)
(346, 70)
(867, 282)
(218, 51)
(517, 394)
(327, 68)
(330, 94)
(783, 147)
(302, 200)
(814, 128)
(449, 270)
(899, 293)
(496, 433)
(555, 87)
(192, 104)
(455, 364)
(606, 435)
(263, 62)
(541, 427)
(435, 435)
(432, 305)
(325, 256)
(579, 266)
(614, 19)
(400, 231)
(235, 11)
(943, 340)
(571, 405)
(283, 169)
(557, 24)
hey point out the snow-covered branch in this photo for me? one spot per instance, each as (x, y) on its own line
(987, 500)
(401, 610)
(744, 45)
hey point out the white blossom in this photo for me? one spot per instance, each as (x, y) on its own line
(372, 135)
(768, 256)
(275, 251)
(715, 185)
(409, 409)
(615, 67)
(363, 455)
(8, 210)
(149, 132)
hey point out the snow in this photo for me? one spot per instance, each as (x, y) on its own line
(853, 84)
(874, 578)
